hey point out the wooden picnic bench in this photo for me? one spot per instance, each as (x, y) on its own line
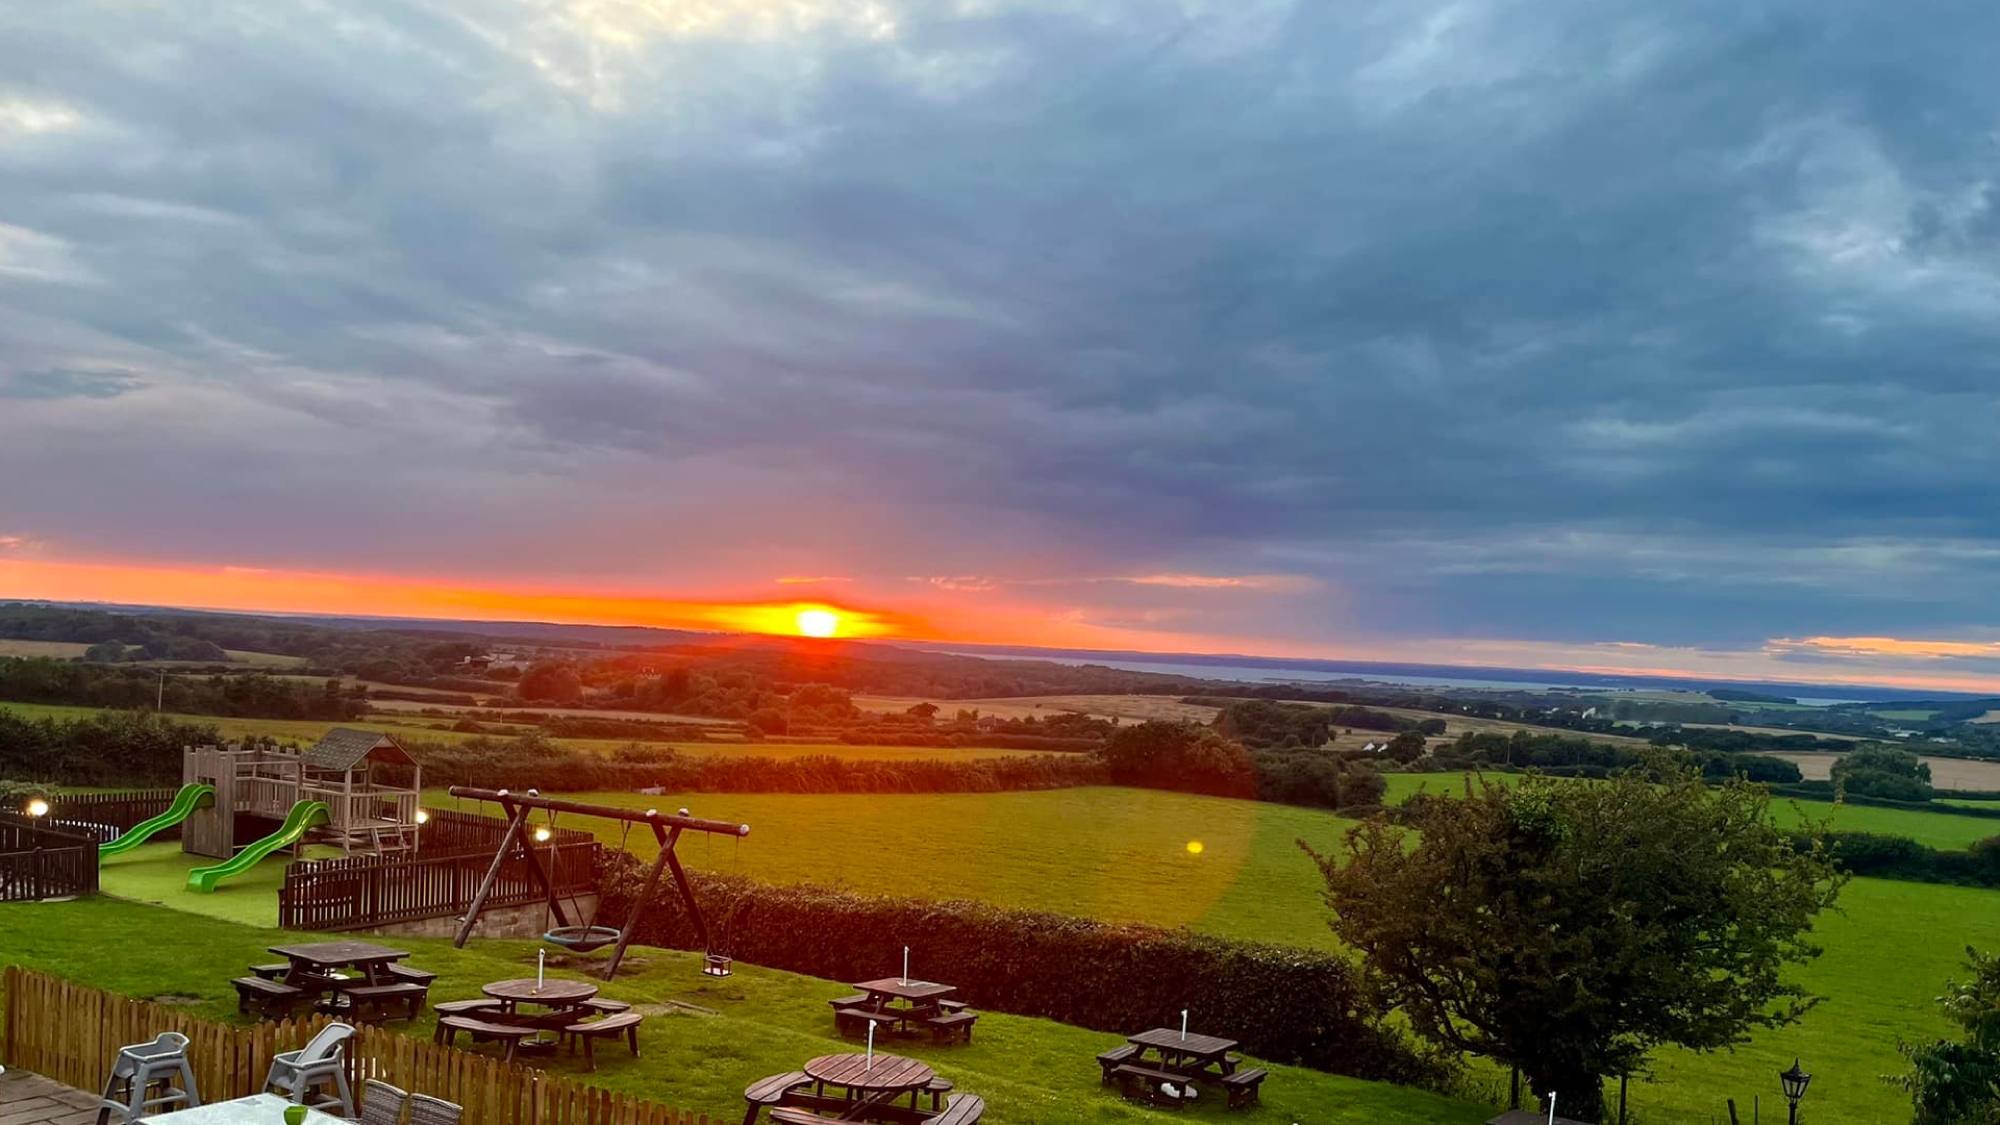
(406, 974)
(467, 1007)
(953, 1025)
(272, 972)
(855, 1021)
(267, 998)
(484, 1032)
(771, 1091)
(605, 1007)
(376, 1003)
(1242, 1086)
(962, 1110)
(1110, 1060)
(610, 1027)
(1154, 1081)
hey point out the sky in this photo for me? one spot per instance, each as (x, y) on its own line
(1661, 335)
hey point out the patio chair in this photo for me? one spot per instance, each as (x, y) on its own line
(381, 1103)
(426, 1110)
(128, 1092)
(295, 1075)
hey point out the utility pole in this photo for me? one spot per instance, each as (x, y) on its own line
(160, 699)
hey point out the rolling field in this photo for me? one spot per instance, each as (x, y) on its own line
(1120, 854)
(307, 731)
(66, 650)
(1935, 829)
(1946, 773)
(60, 650)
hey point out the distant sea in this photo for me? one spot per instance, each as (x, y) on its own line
(1279, 675)
(1291, 675)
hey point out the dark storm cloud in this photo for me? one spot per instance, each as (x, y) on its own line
(1559, 319)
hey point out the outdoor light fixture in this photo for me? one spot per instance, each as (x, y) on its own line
(38, 807)
(423, 816)
(541, 835)
(1795, 1081)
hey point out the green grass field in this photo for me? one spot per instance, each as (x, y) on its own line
(1935, 829)
(1032, 1072)
(1120, 854)
(307, 731)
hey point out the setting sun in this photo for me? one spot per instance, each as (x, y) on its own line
(818, 622)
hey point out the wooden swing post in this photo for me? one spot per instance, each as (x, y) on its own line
(667, 829)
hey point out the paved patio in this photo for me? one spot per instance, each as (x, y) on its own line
(30, 1099)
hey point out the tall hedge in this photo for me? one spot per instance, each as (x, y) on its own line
(1283, 1004)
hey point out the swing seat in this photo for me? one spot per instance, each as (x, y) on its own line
(583, 939)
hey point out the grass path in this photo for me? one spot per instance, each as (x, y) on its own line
(1032, 1072)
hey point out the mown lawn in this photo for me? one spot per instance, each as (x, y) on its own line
(1122, 854)
(757, 1022)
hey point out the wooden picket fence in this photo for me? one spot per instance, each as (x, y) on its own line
(72, 1033)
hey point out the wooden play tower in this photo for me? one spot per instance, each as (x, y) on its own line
(371, 786)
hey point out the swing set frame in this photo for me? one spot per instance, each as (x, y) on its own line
(667, 829)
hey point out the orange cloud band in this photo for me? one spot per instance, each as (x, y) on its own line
(241, 588)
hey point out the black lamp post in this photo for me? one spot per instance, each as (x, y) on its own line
(1795, 1081)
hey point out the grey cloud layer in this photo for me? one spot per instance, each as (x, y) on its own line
(1675, 320)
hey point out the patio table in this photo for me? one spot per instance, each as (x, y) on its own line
(258, 1109)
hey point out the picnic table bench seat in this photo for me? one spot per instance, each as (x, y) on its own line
(855, 1020)
(272, 972)
(792, 1115)
(407, 974)
(953, 1005)
(1242, 1086)
(771, 1091)
(624, 1024)
(953, 1025)
(604, 1006)
(466, 1007)
(1153, 1079)
(267, 998)
(1110, 1060)
(963, 1109)
(939, 1086)
(374, 1003)
(858, 1000)
(484, 1032)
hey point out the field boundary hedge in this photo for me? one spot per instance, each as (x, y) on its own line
(1284, 1004)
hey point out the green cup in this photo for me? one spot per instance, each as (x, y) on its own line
(295, 1115)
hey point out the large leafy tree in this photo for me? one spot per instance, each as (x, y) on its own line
(1568, 928)
(1957, 1081)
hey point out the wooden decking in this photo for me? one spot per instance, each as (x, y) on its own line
(30, 1099)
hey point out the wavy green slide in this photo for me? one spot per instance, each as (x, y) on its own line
(304, 815)
(190, 798)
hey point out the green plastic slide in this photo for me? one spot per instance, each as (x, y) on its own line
(304, 815)
(190, 798)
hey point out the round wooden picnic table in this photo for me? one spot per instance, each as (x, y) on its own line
(887, 1074)
(560, 996)
(552, 993)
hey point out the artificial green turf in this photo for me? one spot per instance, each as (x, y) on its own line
(1032, 1072)
(157, 873)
